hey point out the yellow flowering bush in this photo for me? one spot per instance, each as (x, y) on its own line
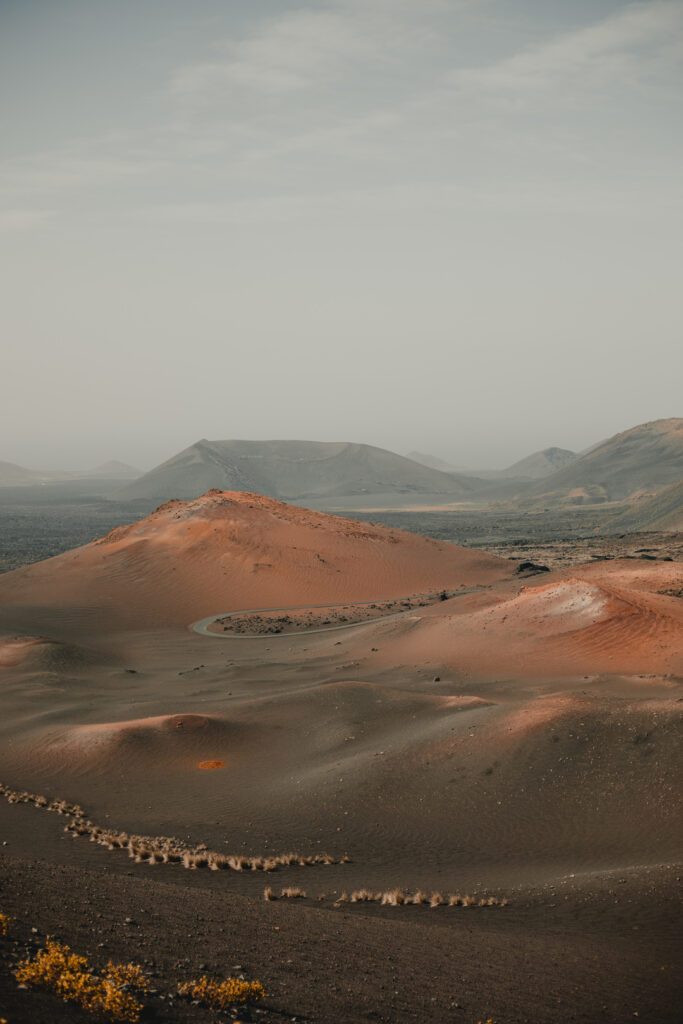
(68, 975)
(221, 994)
(5, 922)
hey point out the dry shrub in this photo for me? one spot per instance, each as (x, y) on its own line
(392, 898)
(292, 893)
(126, 974)
(69, 976)
(268, 894)
(219, 995)
(469, 901)
(455, 900)
(419, 897)
(436, 899)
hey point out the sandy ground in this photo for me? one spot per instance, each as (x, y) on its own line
(522, 741)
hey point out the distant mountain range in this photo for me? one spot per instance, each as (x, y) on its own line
(635, 462)
(630, 468)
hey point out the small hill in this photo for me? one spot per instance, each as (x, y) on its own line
(540, 464)
(113, 470)
(227, 551)
(291, 471)
(644, 459)
(12, 475)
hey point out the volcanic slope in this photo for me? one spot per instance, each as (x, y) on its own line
(230, 551)
(291, 470)
(644, 459)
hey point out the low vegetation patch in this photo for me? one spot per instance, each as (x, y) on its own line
(164, 849)
(70, 977)
(220, 995)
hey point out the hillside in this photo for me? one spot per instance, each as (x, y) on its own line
(644, 459)
(660, 511)
(291, 470)
(227, 551)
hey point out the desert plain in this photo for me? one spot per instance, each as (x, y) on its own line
(475, 760)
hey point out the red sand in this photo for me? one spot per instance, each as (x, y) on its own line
(228, 551)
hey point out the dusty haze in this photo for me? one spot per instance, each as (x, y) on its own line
(437, 226)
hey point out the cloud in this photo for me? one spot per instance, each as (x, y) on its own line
(306, 48)
(620, 47)
(286, 54)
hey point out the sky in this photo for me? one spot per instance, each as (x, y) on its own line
(451, 226)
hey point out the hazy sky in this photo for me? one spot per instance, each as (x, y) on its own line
(445, 225)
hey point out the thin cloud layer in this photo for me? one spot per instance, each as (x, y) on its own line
(456, 195)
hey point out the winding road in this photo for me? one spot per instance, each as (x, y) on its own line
(202, 626)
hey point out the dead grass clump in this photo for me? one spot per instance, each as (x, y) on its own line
(293, 893)
(69, 976)
(268, 894)
(161, 849)
(392, 898)
(362, 896)
(455, 900)
(238, 863)
(469, 901)
(219, 995)
(217, 861)
(436, 899)
(418, 898)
